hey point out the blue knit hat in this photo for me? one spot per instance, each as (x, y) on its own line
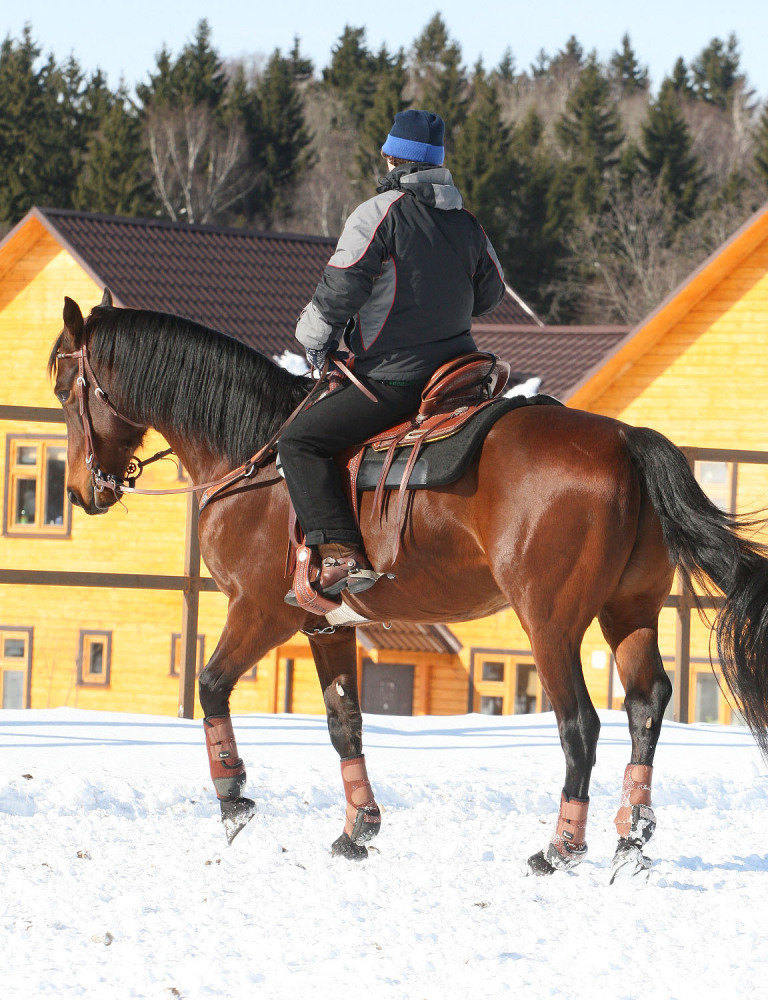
(418, 136)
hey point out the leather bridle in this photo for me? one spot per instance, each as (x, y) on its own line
(127, 484)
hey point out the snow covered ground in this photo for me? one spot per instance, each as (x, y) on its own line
(116, 880)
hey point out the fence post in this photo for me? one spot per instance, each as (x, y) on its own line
(189, 614)
(683, 634)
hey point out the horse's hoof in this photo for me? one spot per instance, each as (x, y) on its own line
(629, 862)
(236, 814)
(367, 825)
(538, 865)
(346, 848)
(544, 863)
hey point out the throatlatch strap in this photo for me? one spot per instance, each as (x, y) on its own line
(570, 831)
(227, 769)
(359, 796)
(635, 791)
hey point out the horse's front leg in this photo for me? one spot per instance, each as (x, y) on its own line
(247, 636)
(335, 655)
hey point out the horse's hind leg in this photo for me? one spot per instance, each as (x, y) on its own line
(559, 667)
(335, 657)
(634, 642)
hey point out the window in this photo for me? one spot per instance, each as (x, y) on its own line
(35, 487)
(707, 705)
(504, 684)
(15, 659)
(526, 690)
(94, 658)
(176, 653)
(718, 480)
(491, 705)
(493, 671)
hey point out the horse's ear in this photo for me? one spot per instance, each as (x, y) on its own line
(73, 320)
(106, 299)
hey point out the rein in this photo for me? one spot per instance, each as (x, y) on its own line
(211, 489)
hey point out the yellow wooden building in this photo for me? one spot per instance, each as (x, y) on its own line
(695, 369)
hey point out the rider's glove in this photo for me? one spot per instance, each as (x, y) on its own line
(316, 358)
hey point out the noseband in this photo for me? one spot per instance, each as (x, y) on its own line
(136, 466)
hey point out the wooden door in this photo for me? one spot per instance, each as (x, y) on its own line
(387, 688)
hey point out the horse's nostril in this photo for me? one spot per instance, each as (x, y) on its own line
(73, 499)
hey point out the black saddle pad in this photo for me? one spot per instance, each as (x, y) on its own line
(443, 462)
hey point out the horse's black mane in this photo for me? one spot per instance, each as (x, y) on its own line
(178, 375)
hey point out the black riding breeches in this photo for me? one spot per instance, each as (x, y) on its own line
(344, 418)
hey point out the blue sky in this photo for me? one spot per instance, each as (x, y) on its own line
(123, 37)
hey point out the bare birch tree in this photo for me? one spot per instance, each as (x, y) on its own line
(200, 167)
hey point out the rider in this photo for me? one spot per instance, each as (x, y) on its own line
(411, 268)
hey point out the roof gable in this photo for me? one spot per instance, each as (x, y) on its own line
(642, 338)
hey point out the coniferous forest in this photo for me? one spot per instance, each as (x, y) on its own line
(599, 194)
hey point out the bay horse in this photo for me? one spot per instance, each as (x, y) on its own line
(562, 515)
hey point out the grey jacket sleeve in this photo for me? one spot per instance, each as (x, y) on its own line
(488, 281)
(348, 278)
(312, 331)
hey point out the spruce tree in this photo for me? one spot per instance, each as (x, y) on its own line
(680, 79)
(39, 139)
(352, 72)
(666, 155)
(302, 68)
(505, 71)
(626, 71)
(282, 153)
(536, 257)
(438, 77)
(716, 72)
(387, 102)
(481, 162)
(115, 178)
(195, 77)
(540, 68)
(569, 60)
(589, 132)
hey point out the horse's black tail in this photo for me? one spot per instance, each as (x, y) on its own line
(710, 546)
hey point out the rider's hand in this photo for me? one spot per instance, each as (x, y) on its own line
(316, 358)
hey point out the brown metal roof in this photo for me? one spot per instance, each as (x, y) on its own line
(560, 355)
(408, 636)
(249, 284)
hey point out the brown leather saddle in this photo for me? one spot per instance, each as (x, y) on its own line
(452, 396)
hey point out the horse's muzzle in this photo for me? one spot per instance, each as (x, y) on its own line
(92, 508)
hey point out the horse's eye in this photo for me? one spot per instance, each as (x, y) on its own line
(63, 396)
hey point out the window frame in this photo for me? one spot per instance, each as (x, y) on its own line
(86, 678)
(505, 688)
(12, 473)
(176, 639)
(29, 632)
